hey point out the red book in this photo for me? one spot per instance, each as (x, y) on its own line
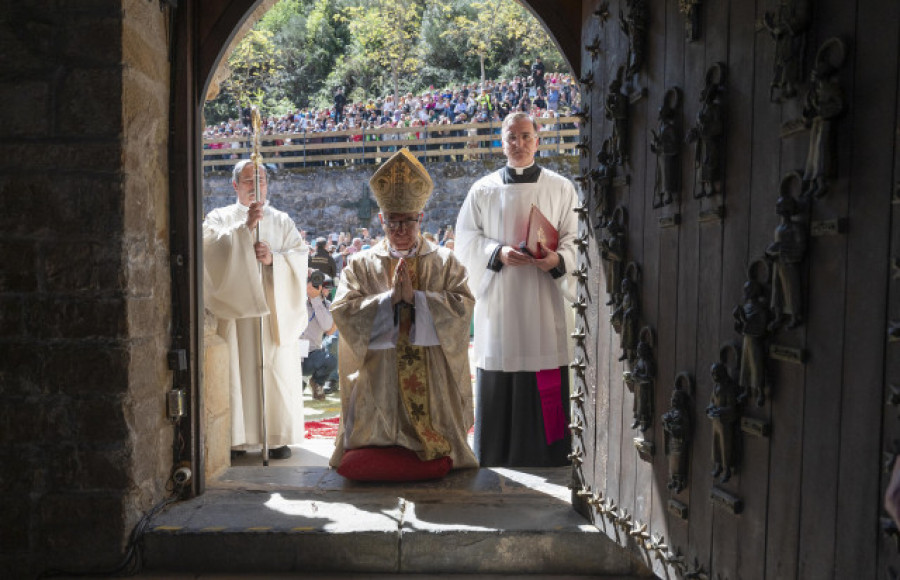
(539, 230)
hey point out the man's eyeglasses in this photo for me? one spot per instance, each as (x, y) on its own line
(395, 224)
(262, 180)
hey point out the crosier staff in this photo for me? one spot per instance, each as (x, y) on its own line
(258, 167)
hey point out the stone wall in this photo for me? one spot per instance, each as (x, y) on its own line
(323, 200)
(145, 250)
(85, 447)
(217, 403)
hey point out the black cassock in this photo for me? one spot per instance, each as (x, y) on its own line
(509, 421)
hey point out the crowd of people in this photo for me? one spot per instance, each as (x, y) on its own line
(542, 96)
(340, 246)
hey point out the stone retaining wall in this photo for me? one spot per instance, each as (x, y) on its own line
(323, 200)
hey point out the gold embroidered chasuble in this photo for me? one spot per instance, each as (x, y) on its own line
(417, 397)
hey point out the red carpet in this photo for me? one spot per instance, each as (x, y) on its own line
(324, 429)
(328, 428)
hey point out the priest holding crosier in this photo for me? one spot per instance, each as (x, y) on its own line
(255, 284)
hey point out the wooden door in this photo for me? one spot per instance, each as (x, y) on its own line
(805, 496)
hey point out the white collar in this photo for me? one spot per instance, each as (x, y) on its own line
(403, 253)
(520, 170)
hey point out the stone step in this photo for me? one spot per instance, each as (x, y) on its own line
(309, 519)
(168, 575)
(363, 576)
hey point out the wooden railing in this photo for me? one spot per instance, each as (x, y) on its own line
(453, 142)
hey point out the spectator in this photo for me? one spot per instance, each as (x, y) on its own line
(553, 96)
(321, 259)
(340, 101)
(504, 108)
(370, 137)
(537, 73)
(447, 235)
(389, 105)
(540, 100)
(338, 257)
(303, 128)
(484, 101)
(319, 363)
(461, 119)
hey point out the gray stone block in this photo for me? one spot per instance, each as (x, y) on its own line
(303, 519)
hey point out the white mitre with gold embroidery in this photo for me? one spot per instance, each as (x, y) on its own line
(401, 184)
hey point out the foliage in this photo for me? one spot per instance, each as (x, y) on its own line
(482, 29)
(283, 12)
(359, 76)
(253, 65)
(311, 43)
(388, 32)
(302, 50)
(220, 109)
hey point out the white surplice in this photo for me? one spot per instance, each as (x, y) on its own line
(238, 295)
(522, 320)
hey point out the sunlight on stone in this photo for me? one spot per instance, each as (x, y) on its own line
(331, 512)
(534, 481)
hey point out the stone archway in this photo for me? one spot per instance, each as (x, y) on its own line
(215, 23)
(204, 33)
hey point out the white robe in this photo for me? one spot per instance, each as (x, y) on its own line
(522, 320)
(235, 292)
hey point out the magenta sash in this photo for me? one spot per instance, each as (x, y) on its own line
(549, 384)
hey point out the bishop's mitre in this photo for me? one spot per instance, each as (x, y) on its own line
(401, 184)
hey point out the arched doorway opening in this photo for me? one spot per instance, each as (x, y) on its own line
(202, 35)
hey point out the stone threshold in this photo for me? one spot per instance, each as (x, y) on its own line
(279, 519)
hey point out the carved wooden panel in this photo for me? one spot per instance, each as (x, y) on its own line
(826, 418)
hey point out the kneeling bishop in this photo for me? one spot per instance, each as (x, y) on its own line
(403, 309)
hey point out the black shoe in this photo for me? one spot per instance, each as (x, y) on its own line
(280, 452)
(330, 387)
(235, 453)
(317, 391)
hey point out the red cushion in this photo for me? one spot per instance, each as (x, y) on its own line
(391, 464)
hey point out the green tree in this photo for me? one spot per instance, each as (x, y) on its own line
(501, 34)
(480, 30)
(282, 13)
(388, 32)
(253, 64)
(301, 50)
(533, 40)
(311, 43)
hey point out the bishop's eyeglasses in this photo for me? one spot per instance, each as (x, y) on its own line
(395, 224)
